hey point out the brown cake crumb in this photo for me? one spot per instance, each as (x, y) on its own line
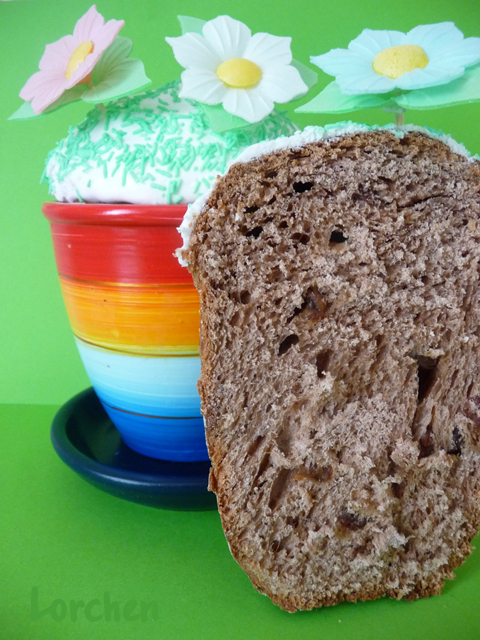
(340, 385)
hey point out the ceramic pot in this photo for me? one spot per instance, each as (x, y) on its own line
(135, 315)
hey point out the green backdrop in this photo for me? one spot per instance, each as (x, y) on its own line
(61, 540)
(38, 359)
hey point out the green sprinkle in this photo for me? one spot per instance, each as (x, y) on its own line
(167, 174)
(188, 164)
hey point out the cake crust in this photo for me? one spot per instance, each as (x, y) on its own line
(340, 363)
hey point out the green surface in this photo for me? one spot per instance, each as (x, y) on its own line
(38, 359)
(70, 541)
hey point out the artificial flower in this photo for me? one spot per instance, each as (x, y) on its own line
(70, 60)
(383, 61)
(429, 67)
(226, 65)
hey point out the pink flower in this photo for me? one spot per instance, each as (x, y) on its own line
(70, 60)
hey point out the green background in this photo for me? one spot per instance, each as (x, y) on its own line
(56, 532)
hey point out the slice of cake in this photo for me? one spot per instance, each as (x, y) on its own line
(338, 273)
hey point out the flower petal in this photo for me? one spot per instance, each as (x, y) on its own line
(354, 74)
(461, 54)
(434, 37)
(336, 61)
(38, 81)
(57, 54)
(250, 104)
(89, 24)
(431, 76)
(227, 37)
(264, 49)
(92, 27)
(104, 37)
(42, 89)
(193, 51)
(371, 42)
(366, 81)
(282, 83)
(202, 85)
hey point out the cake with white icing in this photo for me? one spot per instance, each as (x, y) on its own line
(151, 148)
(309, 135)
(340, 322)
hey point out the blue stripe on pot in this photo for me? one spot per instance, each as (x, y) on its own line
(181, 439)
(153, 401)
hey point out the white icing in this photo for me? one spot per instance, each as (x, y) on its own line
(297, 140)
(316, 134)
(186, 228)
(135, 151)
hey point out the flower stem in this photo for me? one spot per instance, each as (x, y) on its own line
(399, 119)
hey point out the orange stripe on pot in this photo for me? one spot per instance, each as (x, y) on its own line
(150, 320)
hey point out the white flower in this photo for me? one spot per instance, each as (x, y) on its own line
(381, 61)
(228, 65)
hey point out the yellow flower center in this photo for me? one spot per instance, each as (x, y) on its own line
(239, 73)
(395, 61)
(78, 56)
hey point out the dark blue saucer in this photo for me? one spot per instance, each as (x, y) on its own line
(86, 440)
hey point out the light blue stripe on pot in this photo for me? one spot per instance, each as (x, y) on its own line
(160, 387)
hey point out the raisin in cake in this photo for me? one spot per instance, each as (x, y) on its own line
(338, 273)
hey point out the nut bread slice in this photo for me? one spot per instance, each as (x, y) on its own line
(340, 384)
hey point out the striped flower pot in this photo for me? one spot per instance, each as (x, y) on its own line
(135, 316)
